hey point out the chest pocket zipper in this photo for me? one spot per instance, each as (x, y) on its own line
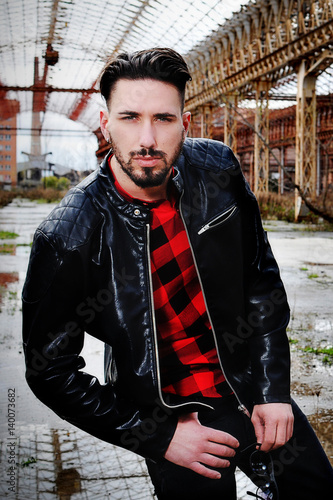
(223, 217)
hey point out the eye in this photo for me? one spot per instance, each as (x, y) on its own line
(129, 117)
(165, 118)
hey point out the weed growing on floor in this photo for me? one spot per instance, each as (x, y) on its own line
(7, 235)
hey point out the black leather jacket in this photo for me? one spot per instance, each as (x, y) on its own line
(89, 271)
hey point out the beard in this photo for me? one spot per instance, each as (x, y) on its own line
(146, 177)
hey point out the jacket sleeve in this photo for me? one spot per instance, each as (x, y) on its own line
(267, 312)
(53, 337)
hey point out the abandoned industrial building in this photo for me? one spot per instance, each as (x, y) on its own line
(262, 83)
(261, 80)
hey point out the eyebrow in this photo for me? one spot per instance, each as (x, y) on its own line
(165, 115)
(157, 115)
(132, 113)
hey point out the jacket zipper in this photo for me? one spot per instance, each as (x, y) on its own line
(224, 216)
(159, 385)
(241, 406)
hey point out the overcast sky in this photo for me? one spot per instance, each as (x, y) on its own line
(71, 143)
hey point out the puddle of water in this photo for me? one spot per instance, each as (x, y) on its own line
(50, 466)
(68, 481)
(322, 419)
(323, 325)
(5, 280)
(322, 422)
(23, 250)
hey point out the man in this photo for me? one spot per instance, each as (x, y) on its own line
(160, 254)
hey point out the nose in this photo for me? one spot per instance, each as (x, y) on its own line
(147, 136)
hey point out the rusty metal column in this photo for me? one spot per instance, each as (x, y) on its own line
(38, 99)
(306, 158)
(261, 152)
(281, 170)
(230, 122)
(206, 121)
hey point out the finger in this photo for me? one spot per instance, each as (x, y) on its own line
(220, 450)
(269, 438)
(284, 432)
(290, 430)
(222, 437)
(213, 461)
(204, 471)
(258, 429)
(281, 436)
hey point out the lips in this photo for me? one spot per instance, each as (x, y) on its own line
(147, 161)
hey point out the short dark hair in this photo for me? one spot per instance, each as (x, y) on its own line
(162, 64)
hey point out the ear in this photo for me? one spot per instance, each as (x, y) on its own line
(104, 120)
(186, 122)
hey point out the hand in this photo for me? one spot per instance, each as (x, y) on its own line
(273, 424)
(194, 446)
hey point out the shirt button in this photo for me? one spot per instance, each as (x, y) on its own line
(137, 211)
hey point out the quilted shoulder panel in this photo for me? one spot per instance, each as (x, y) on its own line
(71, 223)
(209, 154)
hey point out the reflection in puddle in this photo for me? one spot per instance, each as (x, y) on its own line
(322, 422)
(322, 419)
(5, 280)
(68, 481)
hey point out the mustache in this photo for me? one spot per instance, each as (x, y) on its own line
(148, 152)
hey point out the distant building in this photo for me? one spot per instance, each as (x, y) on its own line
(8, 172)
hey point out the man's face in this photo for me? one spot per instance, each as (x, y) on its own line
(147, 129)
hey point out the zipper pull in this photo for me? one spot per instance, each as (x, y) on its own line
(244, 410)
(203, 229)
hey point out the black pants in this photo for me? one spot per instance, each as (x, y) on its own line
(302, 470)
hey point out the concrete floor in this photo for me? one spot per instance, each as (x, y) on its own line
(43, 457)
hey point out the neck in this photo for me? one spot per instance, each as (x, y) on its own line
(145, 194)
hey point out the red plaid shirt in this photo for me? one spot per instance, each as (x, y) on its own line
(188, 357)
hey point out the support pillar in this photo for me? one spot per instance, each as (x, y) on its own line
(206, 122)
(37, 106)
(281, 170)
(261, 152)
(306, 131)
(230, 122)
